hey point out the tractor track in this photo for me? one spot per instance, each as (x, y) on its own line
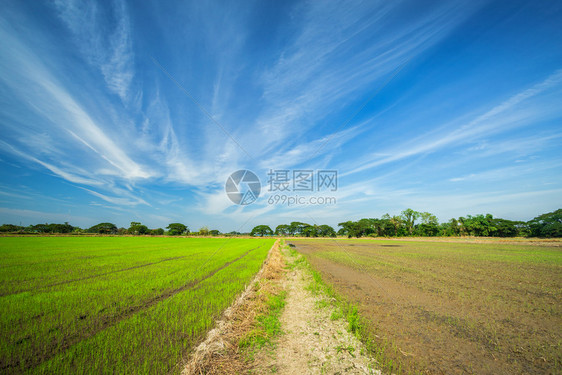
(89, 277)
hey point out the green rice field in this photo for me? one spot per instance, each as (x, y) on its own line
(115, 304)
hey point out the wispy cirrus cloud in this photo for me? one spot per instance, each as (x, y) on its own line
(68, 176)
(328, 68)
(102, 34)
(507, 173)
(296, 152)
(519, 146)
(31, 81)
(119, 201)
(59, 133)
(514, 112)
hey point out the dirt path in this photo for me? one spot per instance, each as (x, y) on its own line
(313, 343)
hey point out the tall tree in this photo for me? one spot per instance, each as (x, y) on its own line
(455, 227)
(296, 228)
(325, 230)
(409, 217)
(478, 225)
(283, 230)
(10, 228)
(261, 230)
(177, 229)
(398, 226)
(547, 225)
(348, 228)
(310, 231)
(138, 228)
(506, 228)
(429, 225)
(103, 228)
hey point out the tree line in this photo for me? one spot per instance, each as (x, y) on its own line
(296, 228)
(408, 223)
(135, 228)
(425, 224)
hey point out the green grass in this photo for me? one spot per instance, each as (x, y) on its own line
(268, 325)
(115, 304)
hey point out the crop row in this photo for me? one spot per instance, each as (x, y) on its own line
(155, 300)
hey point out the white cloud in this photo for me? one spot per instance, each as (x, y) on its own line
(295, 153)
(506, 115)
(340, 53)
(33, 83)
(507, 173)
(119, 201)
(106, 46)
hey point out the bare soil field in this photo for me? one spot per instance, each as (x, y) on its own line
(452, 307)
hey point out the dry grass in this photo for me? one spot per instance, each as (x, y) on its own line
(221, 353)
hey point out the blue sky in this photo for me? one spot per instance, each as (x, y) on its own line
(118, 111)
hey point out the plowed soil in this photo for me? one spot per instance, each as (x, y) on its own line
(445, 308)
